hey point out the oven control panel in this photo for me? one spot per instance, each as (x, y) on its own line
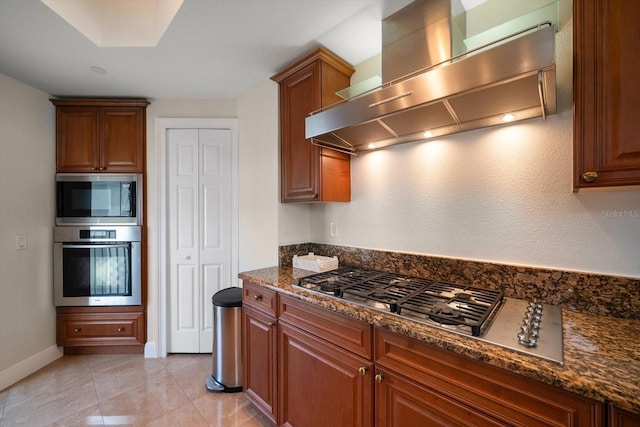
(97, 234)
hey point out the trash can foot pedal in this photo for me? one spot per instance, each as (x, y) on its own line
(213, 385)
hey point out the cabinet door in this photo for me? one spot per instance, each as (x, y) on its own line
(606, 93)
(77, 139)
(320, 384)
(401, 403)
(620, 418)
(260, 360)
(121, 137)
(299, 96)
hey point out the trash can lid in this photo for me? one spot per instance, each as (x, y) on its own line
(229, 297)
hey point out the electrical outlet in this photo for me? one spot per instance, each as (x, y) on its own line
(333, 229)
(21, 242)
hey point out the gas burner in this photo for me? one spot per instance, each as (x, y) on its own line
(445, 314)
(380, 293)
(463, 296)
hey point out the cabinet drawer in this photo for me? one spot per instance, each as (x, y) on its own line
(500, 394)
(259, 297)
(92, 329)
(345, 332)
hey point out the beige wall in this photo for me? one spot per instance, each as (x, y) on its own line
(27, 168)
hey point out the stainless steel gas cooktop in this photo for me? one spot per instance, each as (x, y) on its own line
(479, 313)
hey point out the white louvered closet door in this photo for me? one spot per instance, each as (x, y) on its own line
(199, 235)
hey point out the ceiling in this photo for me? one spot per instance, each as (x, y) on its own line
(213, 49)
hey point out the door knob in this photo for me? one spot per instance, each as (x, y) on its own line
(590, 176)
(187, 257)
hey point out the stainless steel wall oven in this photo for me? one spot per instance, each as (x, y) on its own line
(97, 266)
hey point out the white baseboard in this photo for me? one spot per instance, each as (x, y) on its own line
(15, 373)
(150, 350)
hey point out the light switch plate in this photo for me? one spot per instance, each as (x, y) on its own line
(21, 242)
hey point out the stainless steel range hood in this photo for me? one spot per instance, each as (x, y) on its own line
(475, 89)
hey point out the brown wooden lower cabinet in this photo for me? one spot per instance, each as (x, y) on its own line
(260, 360)
(88, 330)
(620, 418)
(500, 395)
(333, 370)
(322, 385)
(401, 403)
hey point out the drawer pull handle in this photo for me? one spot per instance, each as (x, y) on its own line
(362, 370)
(258, 297)
(120, 329)
(77, 330)
(379, 378)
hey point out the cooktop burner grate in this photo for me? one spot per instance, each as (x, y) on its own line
(444, 303)
(450, 304)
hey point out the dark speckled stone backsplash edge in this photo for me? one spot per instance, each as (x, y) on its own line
(585, 292)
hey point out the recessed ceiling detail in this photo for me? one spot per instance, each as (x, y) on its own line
(118, 23)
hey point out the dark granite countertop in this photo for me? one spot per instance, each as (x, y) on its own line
(601, 354)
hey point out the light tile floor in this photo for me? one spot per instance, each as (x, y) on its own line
(124, 390)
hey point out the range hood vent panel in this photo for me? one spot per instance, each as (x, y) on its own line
(454, 96)
(418, 119)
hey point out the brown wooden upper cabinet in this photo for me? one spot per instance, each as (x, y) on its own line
(606, 93)
(100, 135)
(309, 173)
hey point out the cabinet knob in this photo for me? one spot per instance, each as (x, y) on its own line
(270, 324)
(77, 330)
(590, 176)
(314, 196)
(362, 370)
(120, 329)
(102, 168)
(94, 169)
(258, 297)
(379, 378)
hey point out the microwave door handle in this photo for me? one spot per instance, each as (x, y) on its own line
(126, 245)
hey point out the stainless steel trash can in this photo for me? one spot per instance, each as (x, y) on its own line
(227, 341)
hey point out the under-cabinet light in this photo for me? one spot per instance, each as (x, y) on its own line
(508, 118)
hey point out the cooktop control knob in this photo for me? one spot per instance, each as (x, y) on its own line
(527, 340)
(530, 329)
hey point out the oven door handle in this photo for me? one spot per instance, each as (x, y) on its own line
(125, 245)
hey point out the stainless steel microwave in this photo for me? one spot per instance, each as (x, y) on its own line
(105, 199)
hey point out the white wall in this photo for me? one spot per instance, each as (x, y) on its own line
(27, 207)
(501, 194)
(259, 191)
